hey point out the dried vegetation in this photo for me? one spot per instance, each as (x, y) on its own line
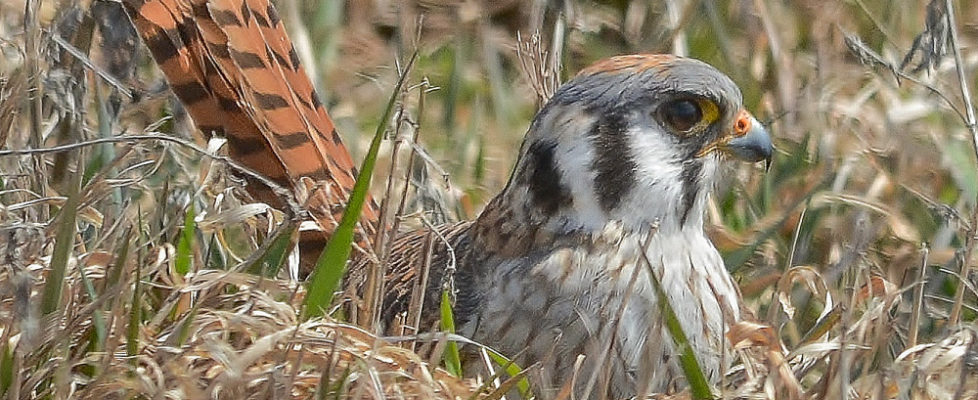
(855, 251)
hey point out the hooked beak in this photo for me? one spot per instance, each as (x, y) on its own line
(749, 141)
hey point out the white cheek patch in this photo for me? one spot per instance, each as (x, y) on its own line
(657, 188)
(573, 158)
(574, 164)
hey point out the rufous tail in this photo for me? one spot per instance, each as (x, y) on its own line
(232, 65)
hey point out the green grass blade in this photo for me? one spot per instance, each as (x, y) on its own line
(331, 265)
(183, 259)
(212, 257)
(323, 388)
(823, 325)
(269, 263)
(115, 270)
(513, 370)
(135, 319)
(328, 386)
(453, 362)
(6, 368)
(698, 385)
(97, 321)
(113, 275)
(184, 331)
(64, 242)
(506, 386)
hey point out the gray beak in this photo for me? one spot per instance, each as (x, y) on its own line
(754, 146)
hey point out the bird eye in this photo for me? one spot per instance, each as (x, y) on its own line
(682, 115)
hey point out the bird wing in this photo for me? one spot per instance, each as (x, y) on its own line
(421, 262)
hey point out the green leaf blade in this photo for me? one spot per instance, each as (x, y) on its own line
(331, 265)
(65, 241)
(453, 362)
(182, 261)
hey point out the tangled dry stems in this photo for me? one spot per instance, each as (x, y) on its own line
(869, 171)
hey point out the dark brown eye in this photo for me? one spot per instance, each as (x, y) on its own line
(681, 115)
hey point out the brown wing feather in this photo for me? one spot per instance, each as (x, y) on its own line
(416, 270)
(233, 66)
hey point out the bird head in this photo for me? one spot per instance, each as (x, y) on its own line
(637, 139)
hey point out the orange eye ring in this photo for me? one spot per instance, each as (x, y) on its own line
(742, 124)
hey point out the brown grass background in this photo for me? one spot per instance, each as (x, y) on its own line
(850, 250)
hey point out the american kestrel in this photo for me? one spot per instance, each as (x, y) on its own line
(610, 185)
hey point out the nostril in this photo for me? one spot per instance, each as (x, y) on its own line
(743, 124)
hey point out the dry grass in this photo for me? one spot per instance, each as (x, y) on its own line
(850, 251)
